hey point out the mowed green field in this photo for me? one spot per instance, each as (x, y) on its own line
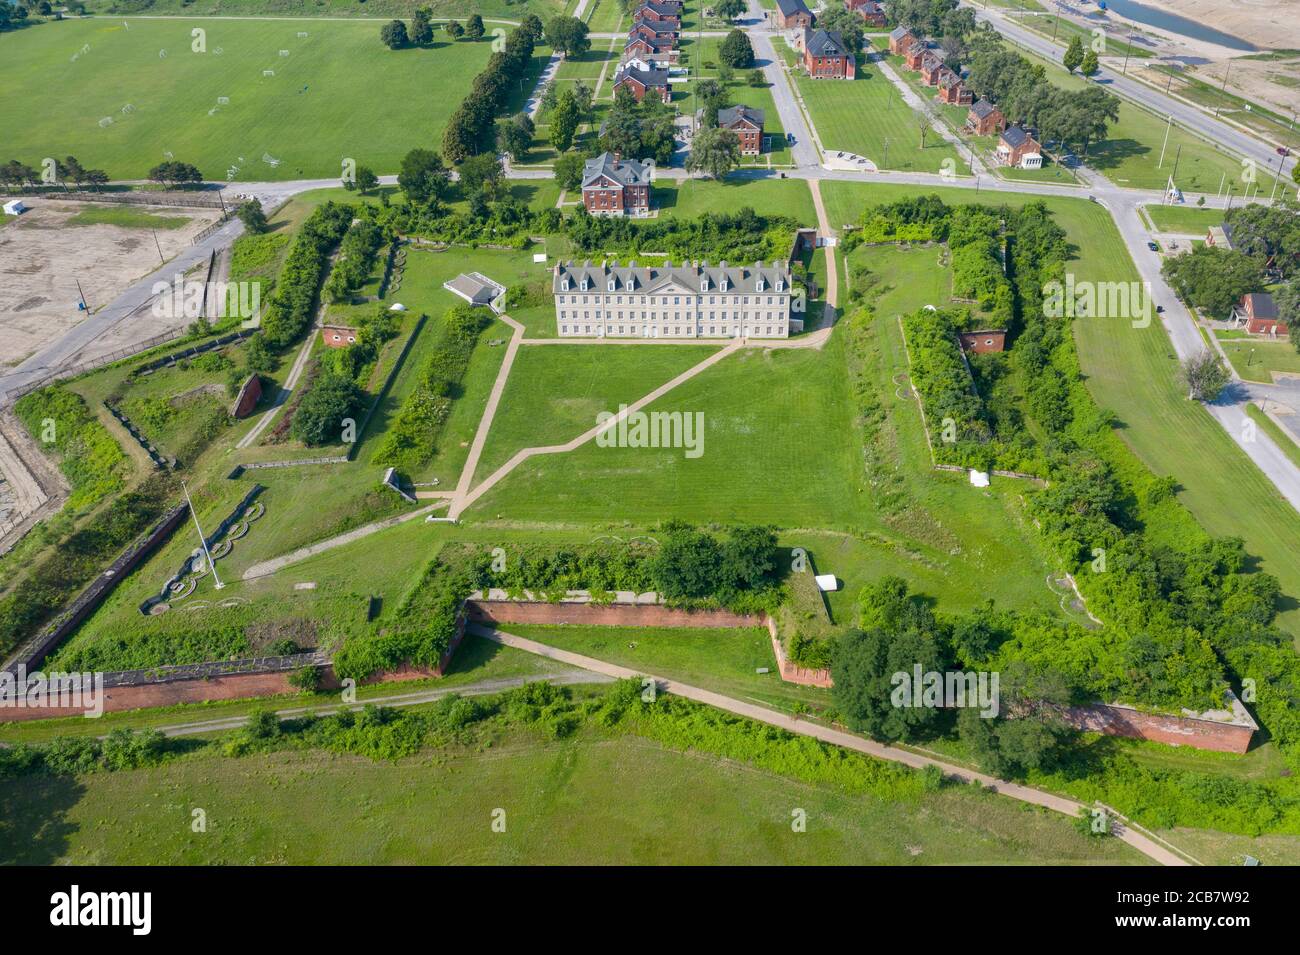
(868, 117)
(594, 799)
(339, 93)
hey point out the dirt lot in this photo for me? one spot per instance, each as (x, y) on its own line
(42, 257)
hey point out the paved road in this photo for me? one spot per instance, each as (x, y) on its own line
(793, 724)
(1186, 115)
(804, 151)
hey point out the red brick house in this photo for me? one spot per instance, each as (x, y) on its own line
(1016, 147)
(1257, 311)
(931, 65)
(655, 30)
(914, 53)
(900, 38)
(1220, 236)
(983, 340)
(747, 124)
(659, 53)
(952, 90)
(872, 13)
(615, 187)
(337, 336)
(827, 57)
(793, 15)
(660, 10)
(644, 83)
(985, 119)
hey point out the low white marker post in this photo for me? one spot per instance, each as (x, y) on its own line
(202, 540)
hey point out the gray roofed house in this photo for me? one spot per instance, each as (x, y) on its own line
(644, 83)
(1015, 136)
(982, 108)
(626, 172)
(691, 300)
(898, 33)
(827, 56)
(825, 43)
(734, 114)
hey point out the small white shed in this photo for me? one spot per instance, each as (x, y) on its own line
(15, 207)
(827, 582)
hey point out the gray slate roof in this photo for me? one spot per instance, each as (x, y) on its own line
(655, 79)
(899, 32)
(626, 172)
(471, 289)
(982, 108)
(733, 113)
(1015, 136)
(1262, 304)
(661, 8)
(659, 27)
(740, 278)
(825, 43)
(791, 7)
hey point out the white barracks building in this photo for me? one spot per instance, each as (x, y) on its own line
(686, 301)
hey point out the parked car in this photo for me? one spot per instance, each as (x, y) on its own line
(789, 138)
(1153, 247)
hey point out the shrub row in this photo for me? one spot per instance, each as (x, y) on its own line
(291, 308)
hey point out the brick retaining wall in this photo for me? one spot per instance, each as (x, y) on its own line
(602, 615)
(1112, 720)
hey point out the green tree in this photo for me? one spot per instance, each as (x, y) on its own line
(421, 28)
(515, 136)
(564, 120)
(748, 556)
(568, 171)
(869, 669)
(393, 33)
(366, 179)
(481, 173)
(251, 215)
(687, 563)
(455, 30)
(729, 9)
(422, 176)
(1204, 375)
(1089, 65)
(568, 35)
(474, 27)
(736, 51)
(714, 152)
(321, 414)
(1073, 57)
(756, 79)
(1213, 278)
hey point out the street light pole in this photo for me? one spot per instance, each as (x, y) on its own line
(1166, 142)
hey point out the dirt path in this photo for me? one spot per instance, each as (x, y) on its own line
(793, 724)
(459, 502)
(466, 498)
(263, 568)
(295, 372)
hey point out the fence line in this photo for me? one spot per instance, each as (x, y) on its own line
(177, 199)
(71, 371)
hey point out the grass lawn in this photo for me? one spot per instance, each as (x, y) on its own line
(725, 660)
(1256, 360)
(555, 392)
(309, 116)
(691, 197)
(1183, 219)
(1131, 153)
(868, 117)
(126, 218)
(605, 16)
(1132, 371)
(597, 798)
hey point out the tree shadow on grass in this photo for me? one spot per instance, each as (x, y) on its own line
(34, 825)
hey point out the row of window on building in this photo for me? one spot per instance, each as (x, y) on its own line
(663, 300)
(647, 331)
(676, 317)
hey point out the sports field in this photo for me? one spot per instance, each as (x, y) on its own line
(125, 95)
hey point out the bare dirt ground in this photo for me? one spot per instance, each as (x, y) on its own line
(42, 258)
(1268, 24)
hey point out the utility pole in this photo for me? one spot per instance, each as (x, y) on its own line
(202, 540)
(1224, 87)
(1281, 158)
(1128, 48)
(158, 245)
(81, 295)
(1166, 142)
(1173, 176)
